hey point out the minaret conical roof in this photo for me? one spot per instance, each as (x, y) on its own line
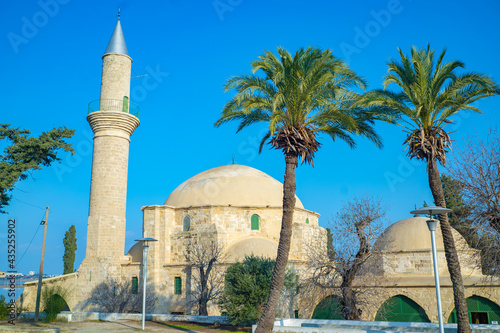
(117, 42)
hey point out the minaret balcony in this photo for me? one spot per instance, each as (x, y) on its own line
(122, 105)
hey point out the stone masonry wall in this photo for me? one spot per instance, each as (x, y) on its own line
(115, 80)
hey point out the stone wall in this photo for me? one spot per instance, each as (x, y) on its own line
(115, 80)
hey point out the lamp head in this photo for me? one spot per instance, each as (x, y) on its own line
(431, 210)
(145, 241)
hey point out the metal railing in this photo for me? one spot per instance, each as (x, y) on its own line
(114, 105)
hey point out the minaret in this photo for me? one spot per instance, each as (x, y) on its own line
(113, 120)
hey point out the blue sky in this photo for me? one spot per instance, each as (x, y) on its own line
(51, 57)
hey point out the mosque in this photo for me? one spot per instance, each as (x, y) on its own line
(240, 208)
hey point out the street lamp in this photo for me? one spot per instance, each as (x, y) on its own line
(145, 248)
(432, 224)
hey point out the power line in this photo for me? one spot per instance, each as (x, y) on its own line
(26, 203)
(36, 231)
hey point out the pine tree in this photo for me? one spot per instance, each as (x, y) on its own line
(69, 242)
(329, 244)
(26, 154)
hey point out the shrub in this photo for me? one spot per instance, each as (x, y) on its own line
(53, 301)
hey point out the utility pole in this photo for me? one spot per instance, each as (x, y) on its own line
(40, 274)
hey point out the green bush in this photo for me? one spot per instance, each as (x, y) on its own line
(53, 301)
(246, 288)
(4, 308)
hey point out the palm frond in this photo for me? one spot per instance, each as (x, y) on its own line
(430, 92)
(299, 96)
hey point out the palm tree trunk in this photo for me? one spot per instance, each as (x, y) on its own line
(266, 321)
(449, 249)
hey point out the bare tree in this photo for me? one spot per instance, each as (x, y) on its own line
(112, 296)
(204, 256)
(354, 230)
(476, 167)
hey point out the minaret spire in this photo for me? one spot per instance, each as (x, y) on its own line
(117, 42)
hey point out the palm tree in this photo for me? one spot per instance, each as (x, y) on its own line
(298, 97)
(430, 93)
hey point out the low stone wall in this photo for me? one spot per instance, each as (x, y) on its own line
(68, 316)
(329, 326)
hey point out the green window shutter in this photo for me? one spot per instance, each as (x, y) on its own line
(307, 221)
(125, 104)
(177, 285)
(477, 305)
(254, 225)
(135, 285)
(401, 308)
(328, 308)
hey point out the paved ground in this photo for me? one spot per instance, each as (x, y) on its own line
(118, 327)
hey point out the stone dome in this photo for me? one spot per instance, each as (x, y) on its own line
(235, 185)
(259, 247)
(136, 252)
(412, 234)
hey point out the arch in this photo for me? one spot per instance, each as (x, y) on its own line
(481, 311)
(186, 223)
(329, 308)
(401, 308)
(54, 305)
(254, 222)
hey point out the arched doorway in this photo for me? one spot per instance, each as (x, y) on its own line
(54, 305)
(401, 308)
(481, 311)
(328, 308)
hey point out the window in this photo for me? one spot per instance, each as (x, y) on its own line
(177, 285)
(254, 223)
(307, 221)
(186, 224)
(401, 308)
(135, 285)
(328, 308)
(481, 311)
(296, 314)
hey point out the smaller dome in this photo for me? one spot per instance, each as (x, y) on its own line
(412, 234)
(136, 252)
(259, 247)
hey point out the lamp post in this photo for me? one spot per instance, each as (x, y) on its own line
(145, 248)
(432, 225)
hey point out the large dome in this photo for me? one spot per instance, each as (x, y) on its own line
(412, 235)
(235, 185)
